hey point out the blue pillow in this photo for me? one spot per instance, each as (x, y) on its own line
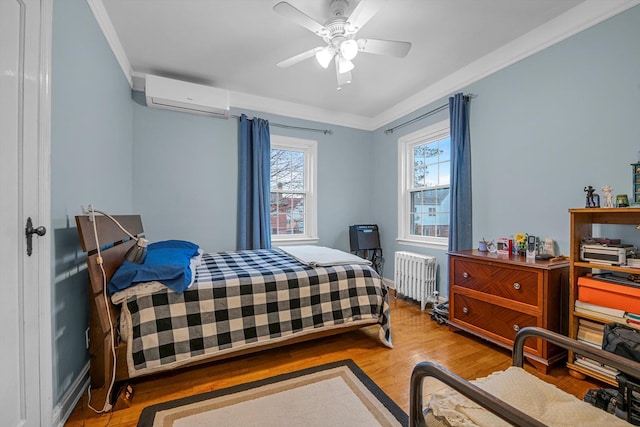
(167, 262)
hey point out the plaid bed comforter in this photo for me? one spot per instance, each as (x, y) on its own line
(245, 299)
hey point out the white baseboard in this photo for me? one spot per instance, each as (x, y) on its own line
(62, 411)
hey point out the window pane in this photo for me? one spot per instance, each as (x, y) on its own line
(418, 166)
(445, 149)
(412, 224)
(415, 215)
(287, 213)
(287, 170)
(429, 214)
(428, 187)
(444, 173)
(428, 172)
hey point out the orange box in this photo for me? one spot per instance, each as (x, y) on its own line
(607, 294)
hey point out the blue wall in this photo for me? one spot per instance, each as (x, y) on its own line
(91, 149)
(385, 183)
(550, 125)
(541, 130)
(185, 176)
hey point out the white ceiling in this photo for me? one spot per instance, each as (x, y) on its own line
(235, 45)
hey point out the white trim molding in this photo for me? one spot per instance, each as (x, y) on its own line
(579, 18)
(70, 399)
(104, 22)
(405, 170)
(44, 212)
(309, 148)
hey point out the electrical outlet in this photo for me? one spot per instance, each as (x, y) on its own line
(86, 338)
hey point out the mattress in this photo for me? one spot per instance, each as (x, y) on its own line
(245, 299)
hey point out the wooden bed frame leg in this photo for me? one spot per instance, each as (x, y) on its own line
(123, 397)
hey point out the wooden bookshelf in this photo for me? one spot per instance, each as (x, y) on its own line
(582, 221)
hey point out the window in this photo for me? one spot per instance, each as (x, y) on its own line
(424, 185)
(293, 191)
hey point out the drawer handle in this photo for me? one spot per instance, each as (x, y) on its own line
(516, 286)
(516, 328)
(465, 275)
(465, 310)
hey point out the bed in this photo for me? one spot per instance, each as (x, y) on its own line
(513, 396)
(240, 302)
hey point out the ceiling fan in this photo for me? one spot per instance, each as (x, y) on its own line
(339, 34)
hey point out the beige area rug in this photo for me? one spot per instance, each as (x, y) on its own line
(336, 394)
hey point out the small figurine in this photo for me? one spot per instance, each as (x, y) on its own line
(608, 198)
(593, 199)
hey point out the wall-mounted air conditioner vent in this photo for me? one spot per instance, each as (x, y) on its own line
(177, 95)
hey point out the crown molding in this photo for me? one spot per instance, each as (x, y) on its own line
(575, 20)
(298, 111)
(579, 18)
(104, 22)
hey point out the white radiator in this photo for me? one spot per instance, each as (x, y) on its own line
(415, 276)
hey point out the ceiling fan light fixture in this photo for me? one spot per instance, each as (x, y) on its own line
(324, 56)
(344, 65)
(349, 49)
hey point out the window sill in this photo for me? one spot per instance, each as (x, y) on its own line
(422, 244)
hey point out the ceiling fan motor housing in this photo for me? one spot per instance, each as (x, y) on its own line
(338, 8)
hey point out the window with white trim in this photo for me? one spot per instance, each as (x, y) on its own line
(424, 160)
(293, 210)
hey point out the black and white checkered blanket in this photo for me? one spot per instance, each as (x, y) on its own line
(245, 299)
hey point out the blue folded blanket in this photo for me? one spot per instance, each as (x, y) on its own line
(167, 262)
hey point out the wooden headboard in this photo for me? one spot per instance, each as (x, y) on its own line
(114, 244)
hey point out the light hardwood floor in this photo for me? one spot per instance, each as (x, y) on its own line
(415, 338)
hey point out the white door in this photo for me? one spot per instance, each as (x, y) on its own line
(25, 314)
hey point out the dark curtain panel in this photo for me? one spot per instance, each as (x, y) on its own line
(460, 212)
(254, 227)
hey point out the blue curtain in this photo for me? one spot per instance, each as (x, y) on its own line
(254, 227)
(460, 236)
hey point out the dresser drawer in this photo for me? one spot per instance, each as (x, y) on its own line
(491, 318)
(516, 284)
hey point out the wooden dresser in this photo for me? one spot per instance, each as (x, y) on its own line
(493, 296)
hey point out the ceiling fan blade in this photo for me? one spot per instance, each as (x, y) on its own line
(298, 58)
(343, 78)
(384, 47)
(362, 13)
(300, 18)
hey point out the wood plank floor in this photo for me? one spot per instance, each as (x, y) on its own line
(415, 338)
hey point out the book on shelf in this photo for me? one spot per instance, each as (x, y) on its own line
(592, 344)
(613, 312)
(632, 316)
(605, 318)
(590, 336)
(590, 324)
(633, 321)
(596, 366)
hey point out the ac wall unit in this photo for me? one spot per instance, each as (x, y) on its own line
(178, 95)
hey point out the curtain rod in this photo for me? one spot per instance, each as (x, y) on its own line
(423, 116)
(278, 125)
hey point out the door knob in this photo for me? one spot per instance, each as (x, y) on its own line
(29, 231)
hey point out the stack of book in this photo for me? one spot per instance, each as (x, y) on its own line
(608, 314)
(601, 312)
(596, 366)
(590, 332)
